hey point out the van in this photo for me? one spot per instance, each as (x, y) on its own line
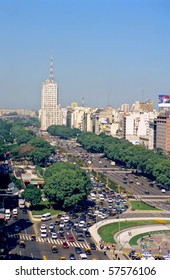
(83, 257)
(46, 217)
(21, 203)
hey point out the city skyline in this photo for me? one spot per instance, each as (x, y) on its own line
(107, 52)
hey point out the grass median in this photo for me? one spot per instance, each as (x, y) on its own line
(141, 205)
(108, 231)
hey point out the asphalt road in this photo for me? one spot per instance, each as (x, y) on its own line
(41, 248)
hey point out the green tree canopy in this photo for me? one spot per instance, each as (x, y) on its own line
(32, 194)
(63, 131)
(66, 184)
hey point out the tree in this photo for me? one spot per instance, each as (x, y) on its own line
(66, 185)
(32, 194)
(63, 131)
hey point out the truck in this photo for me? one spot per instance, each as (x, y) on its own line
(21, 203)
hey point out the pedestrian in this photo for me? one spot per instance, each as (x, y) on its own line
(116, 256)
(159, 249)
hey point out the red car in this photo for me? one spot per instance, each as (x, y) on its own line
(65, 245)
(71, 239)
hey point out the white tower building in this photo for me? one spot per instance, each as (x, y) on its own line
(50, 110)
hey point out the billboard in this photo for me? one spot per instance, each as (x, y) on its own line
(164, 101)
(104, 120)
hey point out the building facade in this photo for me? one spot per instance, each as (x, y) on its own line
(163, 132)
(50, 113)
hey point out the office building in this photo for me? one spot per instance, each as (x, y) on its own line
(50, 113)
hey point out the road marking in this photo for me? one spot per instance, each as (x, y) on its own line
(50, 240)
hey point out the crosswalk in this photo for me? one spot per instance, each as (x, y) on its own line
(51, 241)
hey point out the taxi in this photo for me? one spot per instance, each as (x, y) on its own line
(158, 256)
(54, 249)
(62, 258)
(138, 256)
(22, 244)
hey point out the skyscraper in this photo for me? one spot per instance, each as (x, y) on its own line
(50, 113)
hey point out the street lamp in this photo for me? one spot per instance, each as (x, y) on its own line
(97, 196)
(119, 217)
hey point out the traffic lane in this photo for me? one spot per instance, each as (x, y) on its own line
(66, 233)
(164, 205)
(46, 250)
(133, 187)
(23, 223)
(147, 214)
(31, 251)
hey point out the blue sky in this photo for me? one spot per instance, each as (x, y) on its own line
(107, 51)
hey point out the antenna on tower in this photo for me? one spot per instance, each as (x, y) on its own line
(82, 102)
(51, 68)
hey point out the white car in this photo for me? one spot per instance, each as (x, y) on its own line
(100, 214)
(15, 211)
(44, 234)
(43, 227)
(66, 219)
(62, 224)
(7, 217)
(146, 254)
(54, 235)
(81, 224)
(85, 228)
(104, 216)
(166, 257)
